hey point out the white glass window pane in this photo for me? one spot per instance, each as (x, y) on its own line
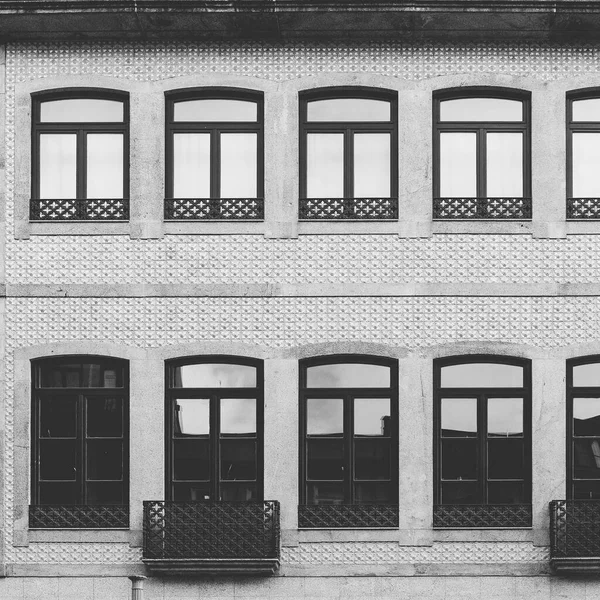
(459, 417)
(505, 165)
(458, 165)
(215, 375)
(349, 109)
(191, 165)
(215, 109)
(372, 165)
(81, 110)
(587, 375)
(485, 375)
(481, 109)
(192, 416)
(372, 416)
(347, 375)
(239, 165)
(58, 165)
(586, 165)
(505, 417)
(104, 165)
(325, 165)
(324, 416)
(586, 110)
(238, 416)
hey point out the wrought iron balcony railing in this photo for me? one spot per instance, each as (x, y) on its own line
(575, 535)
(79, 209)
(211, 537)
(348, 209)
(54, 516)
(482, 516)
(583, 208)
(482, 208)
(347, 516)
(214, 209)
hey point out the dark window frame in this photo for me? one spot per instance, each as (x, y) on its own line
(481, 128)
(215, 395)
(482, 394)
(81, 129)
(81, 393)
(349, 394)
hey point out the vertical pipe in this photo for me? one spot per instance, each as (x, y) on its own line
(137, 587)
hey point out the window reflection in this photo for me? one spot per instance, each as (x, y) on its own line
(504, 164)
(459, 417)
(325, 165)
(372, 165)
(587, 375)
(372, 416)
(458, 164)
(81, 110)
(58, 165)
(349, 109)
(505, 417)
(586, 416)
(324, 416)
(214, 375)
(238, 416)
(482, 375)
(481, 109)
(348, 375)
(192, 416)
(586, 110)
(191, 165)
(215, 110)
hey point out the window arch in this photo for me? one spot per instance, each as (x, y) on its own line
(214, 412)
(348, 153)
(80, 155)
(214, 154)
(482, 433)
(482, 153)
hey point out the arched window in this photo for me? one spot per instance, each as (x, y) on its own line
(482, 154)
(80, 449)
(214, 410)
(482, 453)
(349, 442)
(80, 155)
(214, 155)
(348, 154)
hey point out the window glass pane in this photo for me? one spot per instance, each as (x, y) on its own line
(59, 493)
(191, 492)
(586, 458)
(505, 417)
(586, 110)
(372, 459)
(104, 165)
(105, 459)
(460, 493)
(325, 493)
(586, 416)
(74, 375)
(459, 459)
(325, 165)
(372, 416)
(104, 417)
(505, 165)
(505, 459)
(506, 492)
(58, 417)
(586, 490)
(587, 375)
(349, 109)
(192, 416)
(239, 165)
(215, 109)
(215, 375)
(481, 109)
(105, 493)
(191, 165)
(238, 416)
(459, 417)
(586, 164)
(238, 459)
(325, 459)
(58, 459)
(458, 165)
(373, 493)
(324, 416)
(58, 165)
(81, 110)
(191, 459)
(372, 165)
(348, 375)
(486, 375)
(238, 492)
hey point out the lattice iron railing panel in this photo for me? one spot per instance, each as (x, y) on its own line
(331, 516)
(78, 209)
(53, 516)
(207, 209)
(583, 208)
(482, 208)
(482, 515)
(574, 528)
(311, 209)
(211, 530)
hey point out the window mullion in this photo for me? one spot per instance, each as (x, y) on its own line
(82, 463)
(483, 441)
(215, 448)
(349, 449)
(349, 163)
(81, 176)
(481, 163)
(215, 163)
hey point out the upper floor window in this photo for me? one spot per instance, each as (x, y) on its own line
(214, 410)
(583, 428)
(482, 154)
(80, 156)
(214, 154)
(349, 442)
(348, 154)
(583, 154)
(482, 453)
(80, 453)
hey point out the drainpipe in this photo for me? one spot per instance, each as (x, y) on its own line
(137, 587)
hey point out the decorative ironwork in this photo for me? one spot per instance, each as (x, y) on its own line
(211, 530)
(455, 516)
(209, 209)
(331, 516)
(574, 528)
(54, 516)
(79, 209)
(363, 209)
(482, 208)
(583, 208)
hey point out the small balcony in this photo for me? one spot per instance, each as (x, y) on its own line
(575, 536)
(211, 537)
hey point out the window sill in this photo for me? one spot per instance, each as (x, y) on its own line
(72, 228)
(483, 535)
(348, 535)
(79, 535)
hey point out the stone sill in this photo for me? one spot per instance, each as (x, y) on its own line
(223, 566)
(589, 565)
